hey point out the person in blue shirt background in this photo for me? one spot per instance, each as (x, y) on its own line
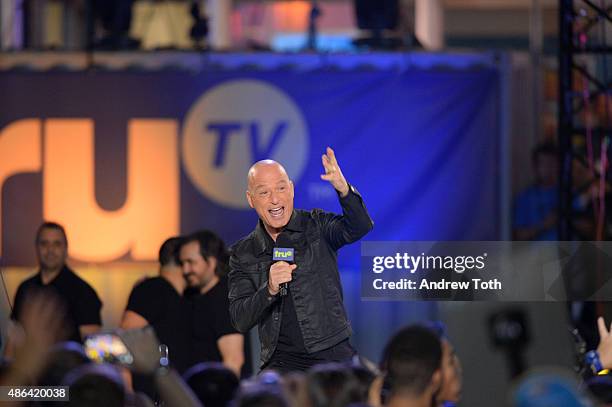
(535, 209)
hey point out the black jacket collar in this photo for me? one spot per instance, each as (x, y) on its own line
(264, 242)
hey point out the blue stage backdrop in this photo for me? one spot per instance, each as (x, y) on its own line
(127, 158)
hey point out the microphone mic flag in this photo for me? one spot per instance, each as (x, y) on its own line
(283, 252)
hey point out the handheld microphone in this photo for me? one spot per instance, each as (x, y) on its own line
(282, 252)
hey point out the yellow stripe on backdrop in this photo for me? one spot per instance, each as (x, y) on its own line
(113, 283)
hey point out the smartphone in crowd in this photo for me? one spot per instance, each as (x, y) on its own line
(107, 348)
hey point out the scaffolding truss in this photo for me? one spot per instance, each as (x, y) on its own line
(585, 125)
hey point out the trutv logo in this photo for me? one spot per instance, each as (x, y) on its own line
(282, 253)
(228, 128)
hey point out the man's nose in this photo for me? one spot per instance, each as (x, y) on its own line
(273, 197)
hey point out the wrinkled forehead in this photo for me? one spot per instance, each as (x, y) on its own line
(267, 174)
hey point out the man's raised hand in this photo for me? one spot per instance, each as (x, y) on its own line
(333, 174)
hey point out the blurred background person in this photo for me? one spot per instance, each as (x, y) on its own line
(43, 323)
(158, 302)
(536, 208)
(80, 301)
(261, 396)
(213, 383)
(96, 385)
(63, 357)
(333, 385)
(204, 259)
(411, 365)
(452, 380)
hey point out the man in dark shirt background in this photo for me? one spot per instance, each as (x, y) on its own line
(158, 301)
(80, 302)
(204, 258)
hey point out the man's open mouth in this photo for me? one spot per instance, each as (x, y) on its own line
(277, 212)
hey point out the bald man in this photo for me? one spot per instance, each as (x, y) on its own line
(309, 324)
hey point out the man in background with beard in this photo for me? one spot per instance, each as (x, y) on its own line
(204, 259)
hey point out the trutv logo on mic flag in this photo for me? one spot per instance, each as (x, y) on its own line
(283, 254)
(182, 168)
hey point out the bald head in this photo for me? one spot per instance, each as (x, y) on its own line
(262, 169)
(270, 193)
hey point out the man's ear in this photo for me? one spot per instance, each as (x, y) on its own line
(249, 198)
(436, 381)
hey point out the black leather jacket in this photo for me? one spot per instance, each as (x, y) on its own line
(315, 288)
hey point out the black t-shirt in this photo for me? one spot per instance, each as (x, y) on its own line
(290, 336)
(82, 305)
(210, 321)
(156, 300)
